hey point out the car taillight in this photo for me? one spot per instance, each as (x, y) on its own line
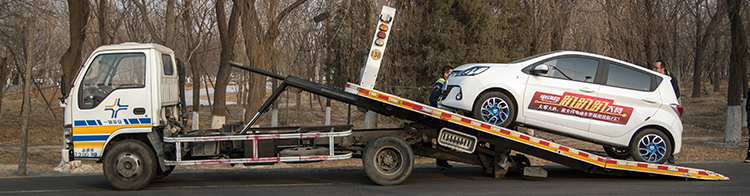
(677, 108)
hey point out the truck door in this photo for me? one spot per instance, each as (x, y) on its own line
(113, 95)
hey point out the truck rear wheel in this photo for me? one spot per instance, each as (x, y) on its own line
(129, 165)
(388, 160)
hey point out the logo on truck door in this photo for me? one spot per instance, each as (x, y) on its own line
(115, 107)
(583, 106)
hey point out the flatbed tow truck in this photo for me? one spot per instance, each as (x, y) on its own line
(135, 124)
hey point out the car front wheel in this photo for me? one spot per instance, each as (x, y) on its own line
(495, 108)
(651, 145)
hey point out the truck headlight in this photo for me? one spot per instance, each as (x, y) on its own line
(68, 137)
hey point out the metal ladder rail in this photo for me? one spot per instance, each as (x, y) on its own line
(255, 137)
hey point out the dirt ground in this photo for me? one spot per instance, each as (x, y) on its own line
(703, 136)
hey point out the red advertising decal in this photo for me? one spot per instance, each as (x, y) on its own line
(583, 106)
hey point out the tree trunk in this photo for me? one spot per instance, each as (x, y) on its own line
(4, 72)
(193, 44)
(737, 68)
(700, 50)
(27, 92)
(102, 21)
(71, 60)
(648, 34)
(227, 35)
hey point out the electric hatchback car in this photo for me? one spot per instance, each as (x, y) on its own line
(630, 110)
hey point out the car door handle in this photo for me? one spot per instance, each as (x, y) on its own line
(139, 111)
(586, 90)
(648, 100)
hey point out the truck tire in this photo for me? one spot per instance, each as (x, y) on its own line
(651, 145)
(617, 152)
(496, 108)
(129, 165)
(388, 160)
(163, 174)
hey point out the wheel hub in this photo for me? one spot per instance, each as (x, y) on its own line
(495, 111)
(652, 148)
(388, 160)
(128, 165)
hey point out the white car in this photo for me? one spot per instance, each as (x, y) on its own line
(632, 111)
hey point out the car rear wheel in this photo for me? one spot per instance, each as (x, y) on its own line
(495, 108)
(651, 145)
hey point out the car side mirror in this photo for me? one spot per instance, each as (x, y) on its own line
(540, 69)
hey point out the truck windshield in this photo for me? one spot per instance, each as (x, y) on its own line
(109, 72)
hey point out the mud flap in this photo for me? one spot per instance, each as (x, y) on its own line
(158, 146)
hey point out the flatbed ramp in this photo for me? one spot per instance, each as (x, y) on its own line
(388, 104)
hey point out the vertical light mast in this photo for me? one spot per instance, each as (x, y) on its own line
(377, 49)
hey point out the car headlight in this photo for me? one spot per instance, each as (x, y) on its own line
(473, 71)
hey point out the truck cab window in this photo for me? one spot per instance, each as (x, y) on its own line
(166, 62)
(108, 73)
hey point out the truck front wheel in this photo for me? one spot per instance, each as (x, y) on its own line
(129, 165)
(388, 160)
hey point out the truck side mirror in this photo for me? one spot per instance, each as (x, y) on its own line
(63, 86)
(540, 69)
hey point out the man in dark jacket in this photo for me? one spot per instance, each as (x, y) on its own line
(437, 90)
(661, 67)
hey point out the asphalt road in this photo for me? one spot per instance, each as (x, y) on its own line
(425, 180)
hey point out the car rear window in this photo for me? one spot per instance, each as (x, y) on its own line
(623, 77)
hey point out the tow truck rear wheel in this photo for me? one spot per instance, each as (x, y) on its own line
(129, 165)
(388, 160)
(651, 145)
(617, 152)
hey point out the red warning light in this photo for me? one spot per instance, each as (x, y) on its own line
(381, 34)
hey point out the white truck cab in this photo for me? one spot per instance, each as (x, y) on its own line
(119, 91)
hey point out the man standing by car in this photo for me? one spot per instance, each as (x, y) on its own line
(661, 67)
(437, 90)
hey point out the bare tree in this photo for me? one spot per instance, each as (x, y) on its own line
(4, 72)
(737, 70)
(167, 39)
(227, 36)
(103, 18)
(259, 44)
(78, 12)
(701, 42)
(27, 91)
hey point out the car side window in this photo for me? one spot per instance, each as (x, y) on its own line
(623, 77)
(573, 68)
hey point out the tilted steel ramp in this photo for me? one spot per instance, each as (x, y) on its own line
(388, 104)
